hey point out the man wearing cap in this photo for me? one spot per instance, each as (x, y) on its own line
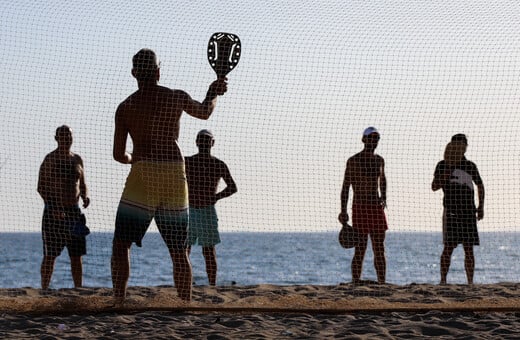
(365, 172)
(156, 187)
(455, 175)
(204, 173)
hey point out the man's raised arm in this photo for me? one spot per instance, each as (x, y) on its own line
(205, 109)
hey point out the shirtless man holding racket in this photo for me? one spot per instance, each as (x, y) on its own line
(156, 186)
(365, 172)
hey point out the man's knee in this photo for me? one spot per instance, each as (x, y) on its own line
(378, 237)
(448, 250)
(359, 252)
(468, 250)
(179, 254)
(47, 259)
(208, 251)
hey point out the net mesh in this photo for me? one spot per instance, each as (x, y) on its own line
(305, 89)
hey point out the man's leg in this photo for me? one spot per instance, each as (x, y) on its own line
(120, 265)
(182, 276)
(77, 247)
(210, 255)
(445, 262)
(46, 270)
(357, 260)
(76, 268)
(378, 247)
(173, 226)
(469, 262)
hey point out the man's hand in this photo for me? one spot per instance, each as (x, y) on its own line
(218, 87)
(480, 213)
(86, 202)
(343, 218)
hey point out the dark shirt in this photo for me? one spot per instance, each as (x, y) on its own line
(459, 194)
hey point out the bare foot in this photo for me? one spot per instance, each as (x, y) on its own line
(118, 301)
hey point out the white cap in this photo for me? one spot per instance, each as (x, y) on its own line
(370, 130)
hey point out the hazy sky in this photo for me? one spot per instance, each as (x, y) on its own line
(311, 77)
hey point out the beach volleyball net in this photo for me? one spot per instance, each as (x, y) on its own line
(306, 88)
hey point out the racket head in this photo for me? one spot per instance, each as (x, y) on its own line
(224, 51)
(348, 237)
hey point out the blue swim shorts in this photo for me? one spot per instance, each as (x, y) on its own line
(203, 227)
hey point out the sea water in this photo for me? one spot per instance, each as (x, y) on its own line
(272, 258)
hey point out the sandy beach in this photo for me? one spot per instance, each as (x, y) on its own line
(266, 312)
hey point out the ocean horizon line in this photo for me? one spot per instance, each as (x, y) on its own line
(289, 232)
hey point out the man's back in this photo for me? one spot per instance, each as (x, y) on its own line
(152, 118)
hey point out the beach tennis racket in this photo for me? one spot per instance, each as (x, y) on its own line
(224, 50)
(348, 237)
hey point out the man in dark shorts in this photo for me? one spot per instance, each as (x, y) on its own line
(61, 182)
(365, 172)
(455, 175)
(204, 173)
(156, 187)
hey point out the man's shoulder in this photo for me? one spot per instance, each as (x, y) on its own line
(211, 163)
(200, 158)
(355, 157)
(364, 156)
(76, 157)
(467, 162)
(469, 165)
(50, 156)
(171, 92)
(160, 90)
(217, 160)
(128, 100)
(194, 160)
(220, 164)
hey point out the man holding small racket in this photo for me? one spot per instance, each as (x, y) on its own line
(365, 172)
(156, 187)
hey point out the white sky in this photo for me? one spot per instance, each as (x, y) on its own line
(312, 76)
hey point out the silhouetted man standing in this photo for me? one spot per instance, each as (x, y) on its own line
(455, 175)
(365, 172)
(204, 173)
(156, 187)
(61, 183)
